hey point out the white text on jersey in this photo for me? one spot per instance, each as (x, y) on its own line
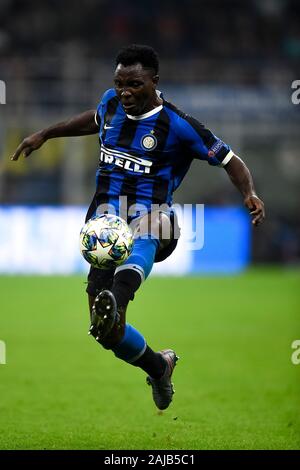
(125, 160)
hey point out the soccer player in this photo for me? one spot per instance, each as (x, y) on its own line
(146, 148)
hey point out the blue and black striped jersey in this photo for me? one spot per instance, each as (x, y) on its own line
(146, 157)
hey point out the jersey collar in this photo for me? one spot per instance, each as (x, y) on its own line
(146, 115)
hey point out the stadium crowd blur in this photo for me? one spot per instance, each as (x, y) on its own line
(230, 63)
(264, 31)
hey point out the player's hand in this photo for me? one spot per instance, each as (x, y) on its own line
(31, 143)
(256, 208)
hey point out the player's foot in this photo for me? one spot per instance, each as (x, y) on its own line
(163, 389)
(104, 315)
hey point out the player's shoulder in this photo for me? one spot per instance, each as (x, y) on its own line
(174, 111)
(181, 120)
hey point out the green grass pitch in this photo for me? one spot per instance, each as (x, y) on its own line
(236, 387)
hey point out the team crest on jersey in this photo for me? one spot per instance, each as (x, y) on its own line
(149, 142)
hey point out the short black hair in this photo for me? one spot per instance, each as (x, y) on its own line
(138, 53)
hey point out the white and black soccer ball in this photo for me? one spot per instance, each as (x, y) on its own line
(106, 241)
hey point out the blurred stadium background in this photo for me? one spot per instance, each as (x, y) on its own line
(231, 64)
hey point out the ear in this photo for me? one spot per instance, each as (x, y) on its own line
(155, 80)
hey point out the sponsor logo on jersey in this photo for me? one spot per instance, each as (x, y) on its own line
(125, 160)
(149, 142)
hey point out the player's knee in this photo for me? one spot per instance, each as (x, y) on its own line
(165, 228)
(156, 224)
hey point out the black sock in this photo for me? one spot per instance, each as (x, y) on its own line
(125, 284)
(152, 363)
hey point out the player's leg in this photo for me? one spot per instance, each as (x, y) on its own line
(124, 340)
(109, 328)
(164, 228)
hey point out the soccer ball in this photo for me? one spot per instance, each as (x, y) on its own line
(106, 241)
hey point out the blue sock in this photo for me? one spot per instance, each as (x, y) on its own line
(129, 276)
(142, 256)
(132, 345)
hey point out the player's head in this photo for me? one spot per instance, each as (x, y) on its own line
(136, 77)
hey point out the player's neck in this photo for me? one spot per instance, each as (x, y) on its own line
(154, 103)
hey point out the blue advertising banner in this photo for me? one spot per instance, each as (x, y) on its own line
(45, 240)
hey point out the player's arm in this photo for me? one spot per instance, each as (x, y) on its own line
(242, 179)
(81, 124)
(206, 146)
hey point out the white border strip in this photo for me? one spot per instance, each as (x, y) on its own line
(228, 157)
(146, 115)
(135, 267)
(95, 118)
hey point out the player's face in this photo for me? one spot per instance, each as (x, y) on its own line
(135, 86)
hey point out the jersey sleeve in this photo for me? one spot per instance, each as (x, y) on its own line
(97, 117)
(201, 143)
(101, 106)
